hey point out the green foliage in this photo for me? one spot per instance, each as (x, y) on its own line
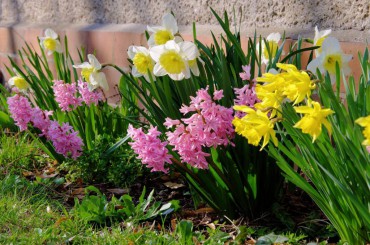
(18, 153)
(94, 166)
(98, 209)
(90, 121)
(336, 165)
(241, 180)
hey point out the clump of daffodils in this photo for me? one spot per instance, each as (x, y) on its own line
(290, 85)
(50, 43)
(168, 54)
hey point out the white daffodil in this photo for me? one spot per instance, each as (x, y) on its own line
(143, 63)
(331, 53)
(273, 44)
(92, 75)
(173, 59)
(319, 39)
(19, 82)
(50, 42)
(162, 34)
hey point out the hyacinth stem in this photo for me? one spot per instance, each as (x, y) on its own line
(184, 168)
(219, 172)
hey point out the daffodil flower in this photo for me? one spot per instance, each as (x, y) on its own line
(365, 122)
(315, 116)
(162, 34)
(254, 126)
(273, 44)
(50, 42)
(319, 39)
(173, 59)
(92, 75)
(331, 54)
(143, 63)
(19, 82)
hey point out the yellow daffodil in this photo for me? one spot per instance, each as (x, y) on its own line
(365, 122)
(19, 82)
(50, 42)
(143, 63)
(254, 126)
(162, 34)
(299, 86)
(331, 54)
(273, 44)
(319, 39)
(313, 119)
(92, 75)
(173, 59)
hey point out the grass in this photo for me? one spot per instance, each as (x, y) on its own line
(32, 213)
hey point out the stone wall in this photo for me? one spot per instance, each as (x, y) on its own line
(110, 27)
(293, 16)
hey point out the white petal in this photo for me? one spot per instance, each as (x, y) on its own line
(331, 45)
(135, 72)
(11, 81)
(156, 52)
(172, 45)
(141, 49)
(58, 47)
(195, 70)
(154, 28)
(186, 72)
(131, 52)
(98, 79)
(177, 77)
(274, 37)
(94, 62)
(158, 70)
(189, 49)
(314, 64)
(151, 41)
(50, 33)
(170, 23)
(83, 65)
(178, 39)
(346, 57)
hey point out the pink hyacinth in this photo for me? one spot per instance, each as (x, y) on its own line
(21, 110)
(40, 119)
(151, 150)
(65, 140)
(89, 97)
(246, 75)
(65, 95)
(245, 96)
(209, 126)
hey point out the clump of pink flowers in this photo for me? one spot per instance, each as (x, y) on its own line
(64, 138)
(65, 95)
(208, 126)
(68, 99)
(247, 94)
(151, 150)
(89, 97)
(21, 110)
